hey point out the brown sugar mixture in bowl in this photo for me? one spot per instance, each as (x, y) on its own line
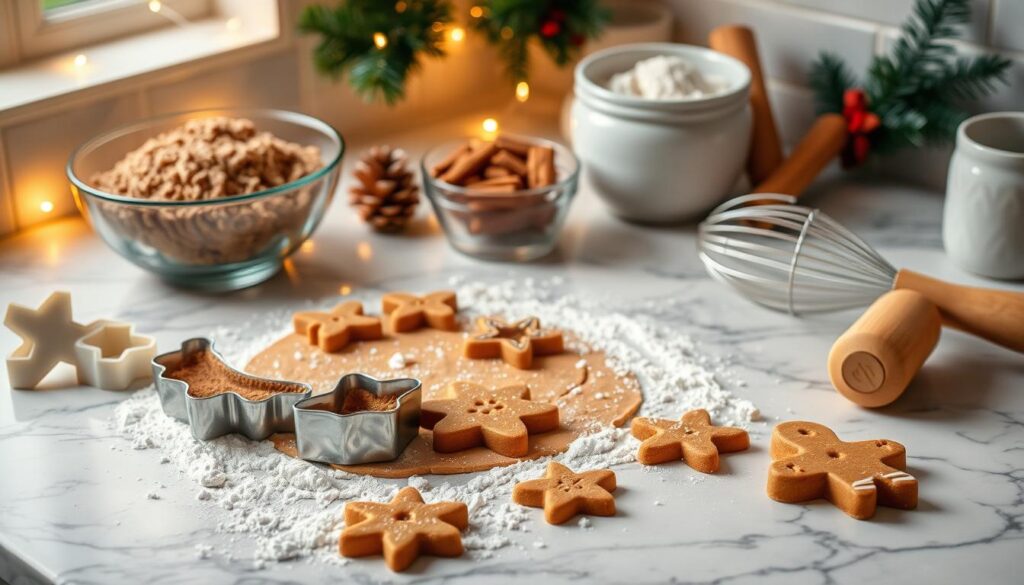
(209, 159)
(207, 376)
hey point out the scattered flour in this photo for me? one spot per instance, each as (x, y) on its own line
(293, 509)
(397, 361)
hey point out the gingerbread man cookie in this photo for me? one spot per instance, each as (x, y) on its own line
(332, 331)
(409, 312)
(692, 438)
(474, 416)
(403, 529)
(810, 462)
(564, 493)
(515, 343)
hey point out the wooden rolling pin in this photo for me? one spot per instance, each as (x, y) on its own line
(873, 362)
(765, 149)
(822, 143)
(995, 315)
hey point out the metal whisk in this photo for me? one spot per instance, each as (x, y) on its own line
(799, 260)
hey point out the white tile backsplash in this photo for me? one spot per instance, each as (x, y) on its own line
(38, 150)
(788, 38)
(894, 12)
(1008, 24)
(272, 82)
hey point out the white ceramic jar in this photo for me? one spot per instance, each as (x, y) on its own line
(661, 161)
(983, 221)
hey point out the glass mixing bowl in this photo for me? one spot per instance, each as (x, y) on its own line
(214, 244)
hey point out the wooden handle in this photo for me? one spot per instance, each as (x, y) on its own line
(822, 143)
(765, 149)
(995, 315)
(873, 362)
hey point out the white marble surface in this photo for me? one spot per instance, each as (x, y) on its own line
(72, 496)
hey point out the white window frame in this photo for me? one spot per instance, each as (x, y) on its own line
(36, 35)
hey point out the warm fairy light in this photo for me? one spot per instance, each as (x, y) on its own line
(365, 251)
(522, 91)
(476, 12)
(46, 206)
(438, 26)
(308, 246)
(507, 33)
(490, 125)
(400, 6)
(155, 6)
(81, 60)
(233, 24)
(345, 290)
(457, 34)
(380, 40)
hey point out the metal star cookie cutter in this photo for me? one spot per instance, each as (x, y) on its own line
(366, 436)
(230, 412)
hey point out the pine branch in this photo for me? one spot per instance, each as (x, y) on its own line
(347, 42)
(968, 79)
(830, 78)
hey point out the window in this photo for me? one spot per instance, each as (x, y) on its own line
(41, 27)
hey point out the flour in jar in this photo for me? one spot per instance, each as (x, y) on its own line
(665, 77)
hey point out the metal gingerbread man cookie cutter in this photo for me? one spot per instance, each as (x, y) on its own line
(228, 412)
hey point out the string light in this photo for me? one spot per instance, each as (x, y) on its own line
(507, 33)
(457, 34)
(476, 12)
(400, 6)
(345, 290)
(308, 246)
(364, 251)
(438, 26)
(155, 6)
(380, 40)
(46, 206)
(490, 125)
(81, 60)
(522, 91)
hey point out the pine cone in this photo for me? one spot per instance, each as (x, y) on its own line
(385, 195)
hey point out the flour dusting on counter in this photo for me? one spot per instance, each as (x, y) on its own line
(293, 508)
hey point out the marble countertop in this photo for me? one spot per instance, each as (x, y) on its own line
(73, 506)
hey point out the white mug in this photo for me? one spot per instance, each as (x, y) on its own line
(983, 221)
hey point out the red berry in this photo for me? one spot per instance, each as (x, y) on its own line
(855, 99)
(861, 147)
(550, 29)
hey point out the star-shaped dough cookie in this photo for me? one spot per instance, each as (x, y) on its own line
(332, 331)
(48, 336)
(515, 343)
(693, 439)
(408, 312)
(403, 529)
(564, 493)
(474, 416)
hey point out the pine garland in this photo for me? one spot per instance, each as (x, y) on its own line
(915, 92)
(560, 26)
(378, 43)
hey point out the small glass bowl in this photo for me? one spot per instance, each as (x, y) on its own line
(519, 226)
(214, 244)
